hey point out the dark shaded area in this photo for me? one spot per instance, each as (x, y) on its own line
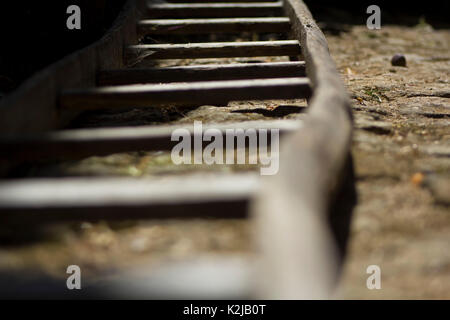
(213, 37)
(127, 117)
(434, 12)
(341, 208)
(34, 34)
(280, 111)
(114, 285)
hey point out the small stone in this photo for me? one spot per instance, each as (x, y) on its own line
(417, 179)
(398, 60)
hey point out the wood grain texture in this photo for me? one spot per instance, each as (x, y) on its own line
(300, 259)
(136, 53)
(216, 25)
(214, 10)
(75, 199)
(218, 1)
(185, 94)
(202, 73)
(80, 143)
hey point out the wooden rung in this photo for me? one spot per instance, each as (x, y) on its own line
(137, 53)
(207, 26)
(214, 10)
(68, 199)
(218, 1)
(185, 94)
(81, 143)
(227, 276)
(238, 71)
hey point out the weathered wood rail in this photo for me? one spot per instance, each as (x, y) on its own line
(300, 255)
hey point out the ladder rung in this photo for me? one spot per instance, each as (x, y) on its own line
(214, 10)
(137, 53)
(220, 1)
(207, 26)
(185, 94)
(238, 71)
(65, 199)
(81, 143)
(205, 277)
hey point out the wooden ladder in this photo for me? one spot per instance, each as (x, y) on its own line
(159, 87)
(299, 258)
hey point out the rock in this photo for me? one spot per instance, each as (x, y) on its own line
(398, 60)
(417, 179)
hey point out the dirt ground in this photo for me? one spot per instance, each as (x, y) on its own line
(402, 158)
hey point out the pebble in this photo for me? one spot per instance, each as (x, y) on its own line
(417, 179)
(398, 60)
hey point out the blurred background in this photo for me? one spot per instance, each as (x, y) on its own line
(33, 34)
